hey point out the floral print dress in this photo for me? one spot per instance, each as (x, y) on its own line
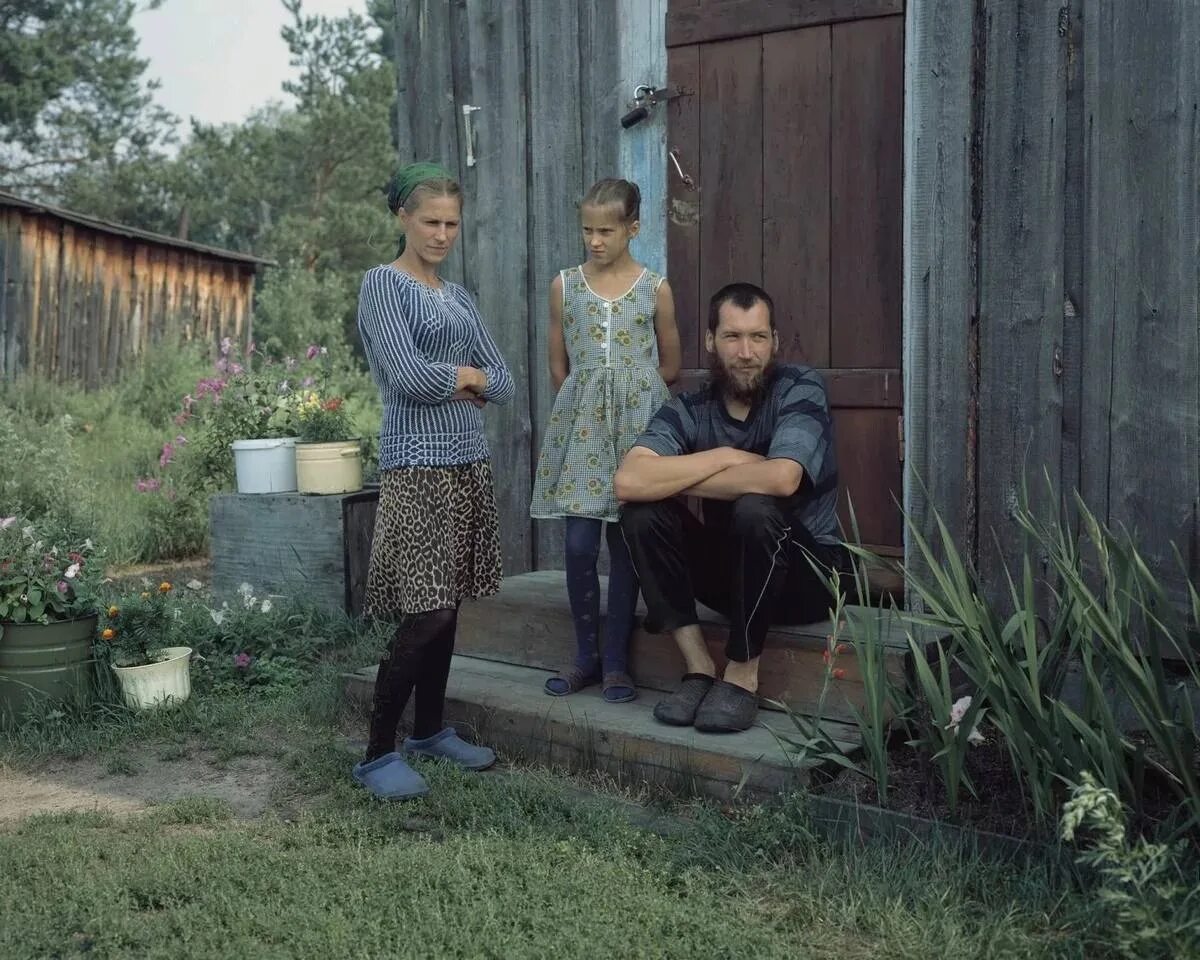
(608, 398)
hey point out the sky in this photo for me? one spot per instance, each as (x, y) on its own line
(219, 60)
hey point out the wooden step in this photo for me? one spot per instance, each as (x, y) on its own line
(529, 624)
(505, 707)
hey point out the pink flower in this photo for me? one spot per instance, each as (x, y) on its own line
(226, 345)
(242, 660)
(168, 451)
(236, 369)
(63, 586)
(312, 351)
(307, 382)
(147, 485)
(181, 418)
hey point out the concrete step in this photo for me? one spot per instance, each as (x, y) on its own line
(505, 707)
(529, 624)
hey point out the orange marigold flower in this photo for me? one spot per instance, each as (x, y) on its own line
(839, 674)
(108, 633)
(113, 611)
(164, 587)
(333, 404)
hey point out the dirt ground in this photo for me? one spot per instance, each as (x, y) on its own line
(250, 785)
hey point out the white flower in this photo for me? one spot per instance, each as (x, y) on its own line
(72, 571)
(266, 606)
(218, 616)
(146, 583)
(7, 522)
(245, 589)
(88, 545)
(194, 584)
(958, 710)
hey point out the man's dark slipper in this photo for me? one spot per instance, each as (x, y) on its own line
(679, 709)
(572, 681)
(728, 708)
(618, 687)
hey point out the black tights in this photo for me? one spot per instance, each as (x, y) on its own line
(418, 657)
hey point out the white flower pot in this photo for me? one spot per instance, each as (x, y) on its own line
(157, 684)
(265, 466)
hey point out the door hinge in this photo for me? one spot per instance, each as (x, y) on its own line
(900, 436)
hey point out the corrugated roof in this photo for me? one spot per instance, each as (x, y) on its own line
(123, 230)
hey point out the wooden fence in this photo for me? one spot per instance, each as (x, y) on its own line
(1052, 269)
(81, 296)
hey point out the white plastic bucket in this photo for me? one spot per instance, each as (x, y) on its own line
(157, 684)
(265, 466)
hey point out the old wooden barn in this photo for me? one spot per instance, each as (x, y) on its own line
(980, 221)
(81, 296)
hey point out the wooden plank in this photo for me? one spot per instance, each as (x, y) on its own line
(731, 163)
(13, 307)
(642, 58)
(863, 388)
(796, 184)
(726, 19)
(870, 474)
(428, 117)
(865, 155)
(939, 269)
(600, 96)
(683, 226)
(555, 187)
(285, 545)
(495, 229)
(1075, 138)
(1020, 275)
(358, 531)
(529, 624)
(1141, 279)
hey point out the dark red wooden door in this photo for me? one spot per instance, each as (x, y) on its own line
(791, 129)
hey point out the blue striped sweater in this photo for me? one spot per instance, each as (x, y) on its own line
(415, 339)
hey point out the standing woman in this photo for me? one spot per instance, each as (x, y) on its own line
(436, 540)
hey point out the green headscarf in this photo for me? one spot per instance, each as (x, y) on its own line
(407, 179)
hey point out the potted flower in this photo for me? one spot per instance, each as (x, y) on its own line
(47, 616)
(252, 414)
(139, 641)
(328, 454)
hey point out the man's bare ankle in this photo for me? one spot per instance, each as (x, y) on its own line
(744, 675)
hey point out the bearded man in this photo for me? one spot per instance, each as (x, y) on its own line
(756, 446)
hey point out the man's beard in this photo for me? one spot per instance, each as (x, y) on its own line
(743, 391)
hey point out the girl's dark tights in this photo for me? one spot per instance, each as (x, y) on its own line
(417, 658)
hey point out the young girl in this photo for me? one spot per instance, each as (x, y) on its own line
(614, 348)
(436, 540)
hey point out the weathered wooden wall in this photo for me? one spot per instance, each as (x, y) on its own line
(550, 79)
(80, 301)
(1052, 268)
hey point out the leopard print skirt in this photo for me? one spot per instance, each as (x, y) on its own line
(436, 540)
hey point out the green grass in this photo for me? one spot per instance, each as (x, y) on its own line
(511, 864)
